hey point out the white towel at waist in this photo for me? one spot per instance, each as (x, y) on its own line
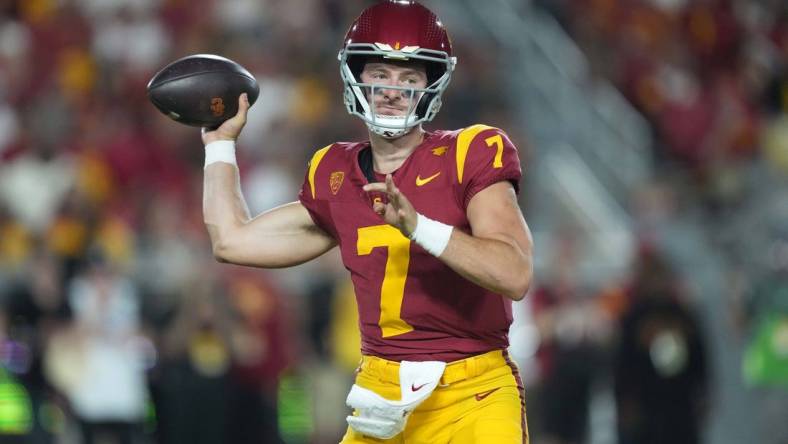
(382, 418)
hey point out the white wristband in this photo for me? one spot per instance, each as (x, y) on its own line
(220, 151)
(432, 235)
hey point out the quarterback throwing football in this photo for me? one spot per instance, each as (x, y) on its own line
(427, 223)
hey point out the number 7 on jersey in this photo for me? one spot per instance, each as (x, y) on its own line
(393, 288)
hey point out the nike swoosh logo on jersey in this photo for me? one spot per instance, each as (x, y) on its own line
(421, 182)
(416, 389)
(480, 396)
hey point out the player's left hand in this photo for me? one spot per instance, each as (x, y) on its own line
(398, 212)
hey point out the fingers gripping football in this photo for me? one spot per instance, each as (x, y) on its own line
(230, 128)
(398, 212)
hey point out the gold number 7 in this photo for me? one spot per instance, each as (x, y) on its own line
(498, 141)
(393, 288)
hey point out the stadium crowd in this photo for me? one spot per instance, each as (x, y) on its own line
(115, 320)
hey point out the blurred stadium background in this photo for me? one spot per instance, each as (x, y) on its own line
(654, 135)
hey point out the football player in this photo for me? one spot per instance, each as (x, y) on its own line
(428, 225)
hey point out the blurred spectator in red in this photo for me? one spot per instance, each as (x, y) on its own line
(660, 367)
(262, 349)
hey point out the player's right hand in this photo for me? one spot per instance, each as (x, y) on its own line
(230, 128)
(398, 212)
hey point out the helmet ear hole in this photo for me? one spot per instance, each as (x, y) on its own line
(424, 103)
(356, 64)
(434, 72)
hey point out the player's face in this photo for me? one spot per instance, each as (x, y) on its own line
(391, 101)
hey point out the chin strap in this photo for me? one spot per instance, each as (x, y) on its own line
(381, 125)
(387, 133)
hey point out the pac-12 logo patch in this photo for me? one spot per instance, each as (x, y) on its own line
(335, 181)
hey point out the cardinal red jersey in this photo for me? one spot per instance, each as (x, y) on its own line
(411, 305)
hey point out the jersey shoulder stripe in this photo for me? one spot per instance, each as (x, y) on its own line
(464, 140)
(316, 158)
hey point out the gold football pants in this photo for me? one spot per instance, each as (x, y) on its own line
(480, 400)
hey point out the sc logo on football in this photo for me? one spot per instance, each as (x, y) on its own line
(217, 106)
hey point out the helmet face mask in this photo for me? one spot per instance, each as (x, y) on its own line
(423, 103)
(396, 32)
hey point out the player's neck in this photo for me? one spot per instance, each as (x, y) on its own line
(389, 154)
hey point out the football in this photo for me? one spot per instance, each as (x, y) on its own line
(201, 90)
